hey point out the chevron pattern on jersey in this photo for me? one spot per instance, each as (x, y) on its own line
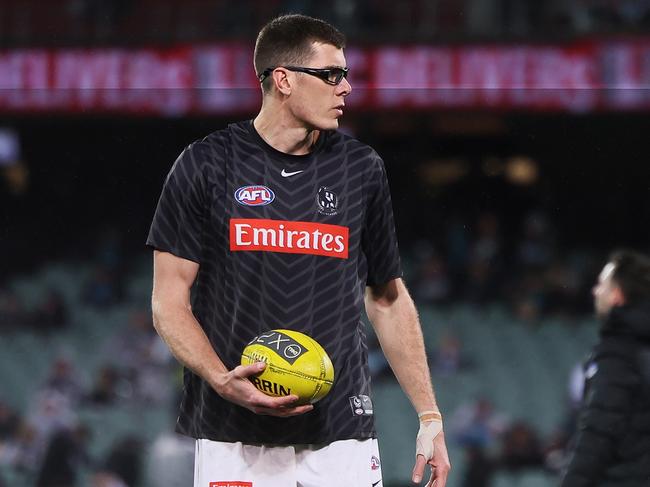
(240, 294)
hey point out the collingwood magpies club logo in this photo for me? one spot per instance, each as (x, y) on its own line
(327, 201)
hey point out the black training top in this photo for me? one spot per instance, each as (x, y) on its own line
(282, 241)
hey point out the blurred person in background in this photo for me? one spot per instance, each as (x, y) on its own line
(611, 445)
(536, 247)
(485, 264)
(431, 283)
(64, 457)
(521, 448)
(169, 461)
(477, 423)
(105, 389)
(103, 288)
(478, 427)
(65, 380)
(377, 363)
(8, 422)
(22, 451)
(124, 461)
(141, 360)
(54, 405)
(12, 167)
(292, 151)
(13, 314)
(447, 357)
(52, 313)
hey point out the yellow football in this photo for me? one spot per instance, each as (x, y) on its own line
(295, 364)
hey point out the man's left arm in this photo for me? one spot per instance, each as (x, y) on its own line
(395, 320)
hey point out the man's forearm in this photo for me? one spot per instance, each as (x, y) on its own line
(398, 329)
(187, 341)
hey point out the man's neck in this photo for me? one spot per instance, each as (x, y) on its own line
(284, 136)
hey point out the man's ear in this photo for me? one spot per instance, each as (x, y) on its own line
(282, 81)
(617, 296)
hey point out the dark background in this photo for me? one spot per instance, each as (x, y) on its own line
(90, 174)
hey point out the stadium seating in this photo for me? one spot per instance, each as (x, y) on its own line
(523, 370)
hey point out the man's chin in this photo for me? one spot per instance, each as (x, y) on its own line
(331, 124)
(325, 125)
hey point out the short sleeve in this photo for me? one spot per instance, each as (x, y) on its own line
(379, 239)
(177, 224)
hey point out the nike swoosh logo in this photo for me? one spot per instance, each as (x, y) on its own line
(376, 483)
(287, 174)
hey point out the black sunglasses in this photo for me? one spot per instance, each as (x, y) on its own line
(331, 76)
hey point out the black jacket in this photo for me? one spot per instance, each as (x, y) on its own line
(612, 446)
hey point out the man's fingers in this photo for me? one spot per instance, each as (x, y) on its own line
(438, 478)
(439, 473)
(249, 370)
(280, 406)
(299, 410)
(269, 402)
(260, 403)
(418, 469)
(433, 480)
(284, 412)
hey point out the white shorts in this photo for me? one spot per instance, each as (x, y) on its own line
(346, 462)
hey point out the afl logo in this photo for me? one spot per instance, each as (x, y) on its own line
(254, 195)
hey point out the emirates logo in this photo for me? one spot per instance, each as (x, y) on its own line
(251, 234)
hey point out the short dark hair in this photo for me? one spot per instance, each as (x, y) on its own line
(288, 40)
(632, 274)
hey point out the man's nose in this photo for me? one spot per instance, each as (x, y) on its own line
(345, 87)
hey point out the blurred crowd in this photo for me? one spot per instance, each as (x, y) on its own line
(477, 262)
(48, 311)
(48, 442)
(145, 21)
(495, 444)
(474, 262)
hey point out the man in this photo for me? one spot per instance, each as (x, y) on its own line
(227, 222)
(612, 447)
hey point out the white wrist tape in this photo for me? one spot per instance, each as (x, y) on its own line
(424, 442)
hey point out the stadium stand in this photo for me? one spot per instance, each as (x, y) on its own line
(522, 370)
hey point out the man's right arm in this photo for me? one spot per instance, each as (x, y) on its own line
(177, 326)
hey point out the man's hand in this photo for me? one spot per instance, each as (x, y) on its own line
(431, 443)
(175, 323)
(235, 387)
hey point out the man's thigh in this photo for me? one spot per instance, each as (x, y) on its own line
(346, 462)
(220, 464)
